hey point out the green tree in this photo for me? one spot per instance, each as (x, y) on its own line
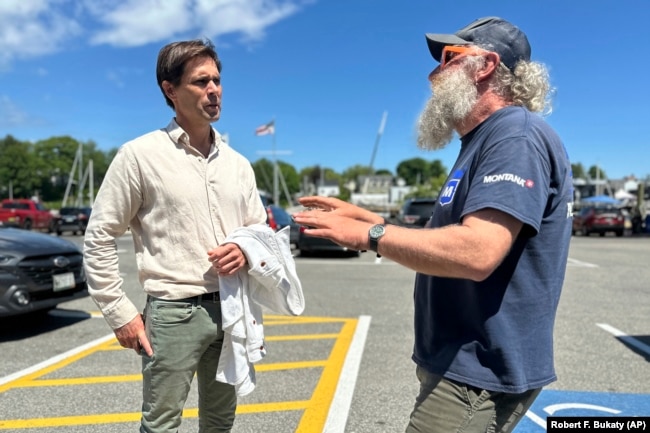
(291, 181)
(353, 173)
(288, 179)
(263, 169)
(19, 169)
(57, 156)
(414, 171)
(438, 169)
(578, 171)
(596, 172)
(315, 173)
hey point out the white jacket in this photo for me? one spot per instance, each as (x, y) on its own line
(271, 283)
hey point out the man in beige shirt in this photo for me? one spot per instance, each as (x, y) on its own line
(181, 190)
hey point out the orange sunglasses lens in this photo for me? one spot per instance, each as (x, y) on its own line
(450, 52)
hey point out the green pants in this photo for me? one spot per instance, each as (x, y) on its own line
(186, 338)
(445, 406)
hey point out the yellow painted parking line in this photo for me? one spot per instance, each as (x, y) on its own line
(315, 415)
(302, 337)
(92, 380)
(57, 365)
(315, 410)
(119, 418)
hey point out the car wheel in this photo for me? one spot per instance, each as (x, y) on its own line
(619, 233)
(59, 232)
(27, 225)
(304, 253)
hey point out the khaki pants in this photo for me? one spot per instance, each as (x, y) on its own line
(186, 338)
(445, 406)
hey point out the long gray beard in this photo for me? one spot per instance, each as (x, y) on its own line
(454, 97)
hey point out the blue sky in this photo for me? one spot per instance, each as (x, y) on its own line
(324, 70)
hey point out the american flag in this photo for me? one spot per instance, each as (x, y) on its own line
(267, 128)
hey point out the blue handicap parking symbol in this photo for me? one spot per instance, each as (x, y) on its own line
(573, 403)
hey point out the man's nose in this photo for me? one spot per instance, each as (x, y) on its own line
(213, 87)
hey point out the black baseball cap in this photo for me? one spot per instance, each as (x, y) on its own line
(492, 33)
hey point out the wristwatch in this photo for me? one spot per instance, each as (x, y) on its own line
(375, 232)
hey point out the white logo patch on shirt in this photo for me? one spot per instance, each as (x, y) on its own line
(509, 177)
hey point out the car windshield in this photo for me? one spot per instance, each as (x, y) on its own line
(69, 211)
(11, 205)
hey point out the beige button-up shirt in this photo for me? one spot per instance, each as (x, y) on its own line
(178, 205)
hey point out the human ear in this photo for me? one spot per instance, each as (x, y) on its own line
(489, 67)
(169, 89)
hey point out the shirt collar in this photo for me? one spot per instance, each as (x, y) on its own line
(179, 136)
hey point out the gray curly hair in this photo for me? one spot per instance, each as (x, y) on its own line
(528, 85)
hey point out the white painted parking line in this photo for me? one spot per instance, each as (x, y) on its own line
(580, 264)
(55, 359)
(340, 407)
(536, 419)
(625, 338)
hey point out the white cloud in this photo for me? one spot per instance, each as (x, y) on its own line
(139, 22)
(36, 27)
(33, 28)
(249, 17)
(10, 113)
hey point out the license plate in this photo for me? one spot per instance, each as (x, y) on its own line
(63, 281)
(69, 219)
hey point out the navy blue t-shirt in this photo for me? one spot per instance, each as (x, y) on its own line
(497, 334)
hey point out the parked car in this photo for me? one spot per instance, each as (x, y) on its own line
(25, 214)
(38, 272)
(277, 218)
(599, 219)
(72, 219)
(309, 245)
(415, 212)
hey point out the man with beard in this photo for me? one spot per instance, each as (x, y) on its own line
(491, 260)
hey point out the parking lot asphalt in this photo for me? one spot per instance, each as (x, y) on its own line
(343, 366)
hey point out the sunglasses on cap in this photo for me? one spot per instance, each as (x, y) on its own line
(450, 52)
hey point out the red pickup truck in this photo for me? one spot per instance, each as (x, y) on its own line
(27, 214)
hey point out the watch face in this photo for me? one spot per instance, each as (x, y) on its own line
(376, 231)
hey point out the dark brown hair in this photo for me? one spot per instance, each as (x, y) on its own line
(173, 57)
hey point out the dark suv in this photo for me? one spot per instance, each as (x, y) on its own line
(416, 212)
(72, 219)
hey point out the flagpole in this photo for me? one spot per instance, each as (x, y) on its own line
(276, 198)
